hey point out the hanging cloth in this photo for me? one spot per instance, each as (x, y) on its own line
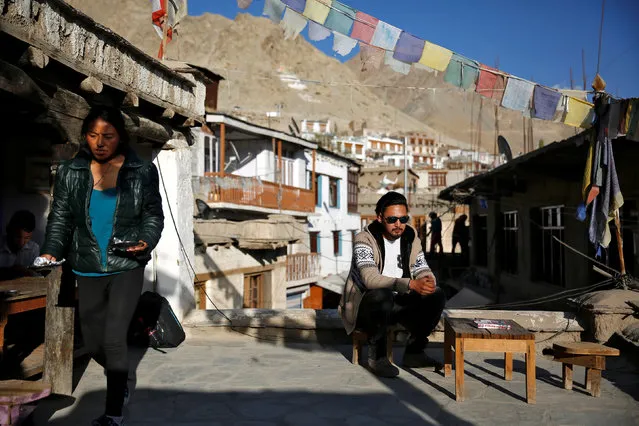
(517, 94)
(343, 45)
(435, 57)
(293, 23)
(274, 9)
(461, 72)
(317, 11)
(397, 66)
(633, 126)
(385, 36)
(341, 18)
(578, 113)
(317, 32)
(364, 27)
(545, 102)
(371, 56)
(490, 84)
(408, 48)
(296, 5)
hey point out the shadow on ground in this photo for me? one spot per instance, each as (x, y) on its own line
(261, 408)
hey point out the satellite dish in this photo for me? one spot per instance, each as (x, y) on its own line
(504, 148)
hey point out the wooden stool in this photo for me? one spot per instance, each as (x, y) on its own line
(586, 354)
(15, 393)
(360, 337)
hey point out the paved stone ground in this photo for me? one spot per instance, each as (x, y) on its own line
(230, 379)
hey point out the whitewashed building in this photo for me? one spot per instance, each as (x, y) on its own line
(336, 220)
(254, 190)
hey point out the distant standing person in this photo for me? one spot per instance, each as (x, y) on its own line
(17, 249)
(106, 193)
(390, 282)
(461, 235)
(435, 233)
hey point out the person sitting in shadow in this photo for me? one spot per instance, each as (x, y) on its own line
(24, 331)
(17, 249)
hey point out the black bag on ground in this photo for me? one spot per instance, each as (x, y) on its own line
(154, 324)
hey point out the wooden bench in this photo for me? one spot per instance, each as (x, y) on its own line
(592, 356)
(16, 393)
(359, 337)
(462, 335)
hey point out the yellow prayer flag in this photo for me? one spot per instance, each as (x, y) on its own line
(435, 57)
(318, 10)
(578, 111)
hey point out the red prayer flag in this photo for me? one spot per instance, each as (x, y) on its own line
(490, 84)
(364, 27)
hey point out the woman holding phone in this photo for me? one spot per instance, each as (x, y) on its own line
(105, 219)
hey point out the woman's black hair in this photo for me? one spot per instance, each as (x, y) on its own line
(113, 116)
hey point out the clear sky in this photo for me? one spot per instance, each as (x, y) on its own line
(533, 39)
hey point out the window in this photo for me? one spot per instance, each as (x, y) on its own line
(337, 243)
(359, 149)
(318, 190)
(480, 240)
(548, 253)
(436, 179)
(510, 242)
(315, 242)
(352, 191)
(353, 234)
(253, 291)
(333, 192)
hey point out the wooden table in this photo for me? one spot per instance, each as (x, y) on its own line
(44, 293)
(462, 335)
(32, 295)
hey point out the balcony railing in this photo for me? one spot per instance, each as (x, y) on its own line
(302, 267)
(250, 191)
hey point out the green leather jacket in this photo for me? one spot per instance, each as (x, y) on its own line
(138, 215)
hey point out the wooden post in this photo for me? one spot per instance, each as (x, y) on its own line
(313, 174)
(273, 144)
(280, 194)
(459, 369)
(222, 147)
(508, 365)
(622, 262)
(165, 32)
(531, 383)
(58, 338)
(279, 160)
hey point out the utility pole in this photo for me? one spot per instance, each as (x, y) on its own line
(572, 82)
(583, 66)
(405, 170)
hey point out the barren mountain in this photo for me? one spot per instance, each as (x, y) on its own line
(263, 70)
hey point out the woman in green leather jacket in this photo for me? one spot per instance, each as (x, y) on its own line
(105, 195)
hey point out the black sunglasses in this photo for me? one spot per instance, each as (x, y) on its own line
(392, 219)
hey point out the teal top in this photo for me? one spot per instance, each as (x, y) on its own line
(102, 213)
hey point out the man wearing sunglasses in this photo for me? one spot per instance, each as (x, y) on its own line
(390, 282)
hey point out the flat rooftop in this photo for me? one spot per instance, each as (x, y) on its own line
(226, 378)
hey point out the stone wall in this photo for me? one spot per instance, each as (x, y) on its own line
(75, 40)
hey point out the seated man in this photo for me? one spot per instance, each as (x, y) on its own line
(17, 251)
(390, 282)
(24, 331)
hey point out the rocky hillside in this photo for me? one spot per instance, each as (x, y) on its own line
(263, 70)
